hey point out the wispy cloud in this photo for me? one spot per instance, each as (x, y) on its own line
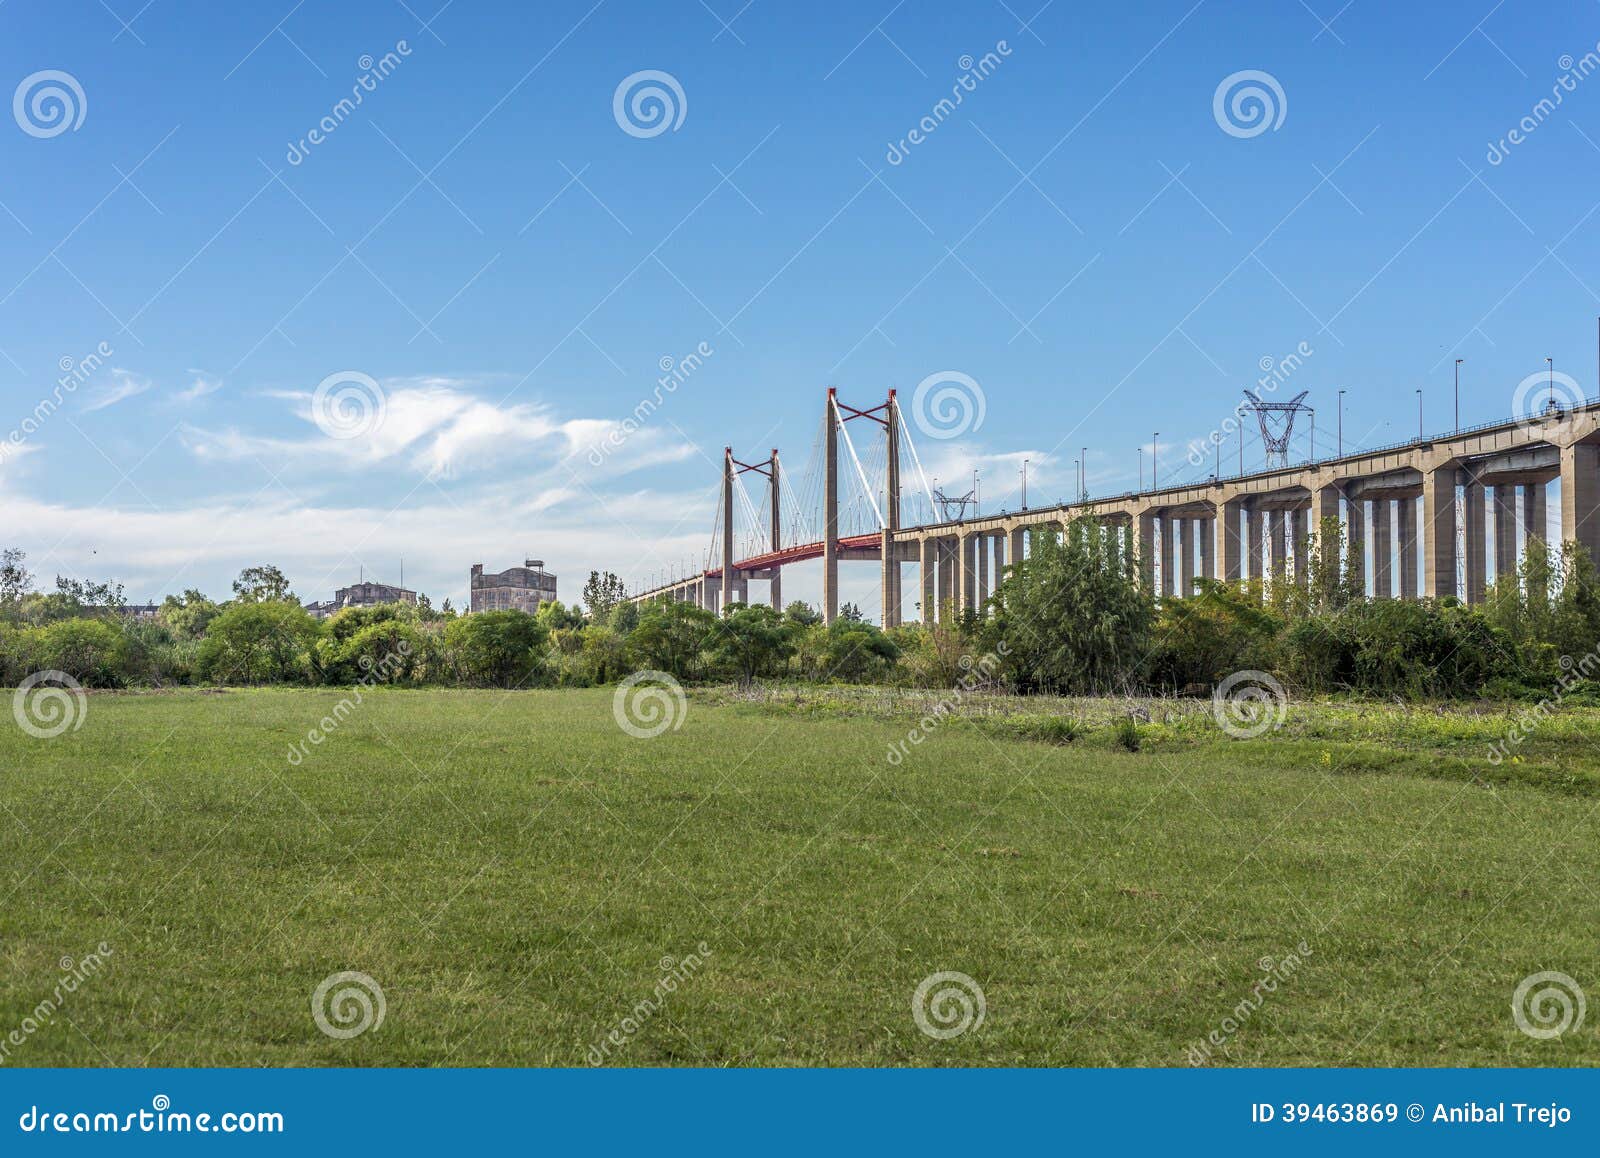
(202, 386)
(123, 385)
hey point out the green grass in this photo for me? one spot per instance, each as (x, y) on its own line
(512, 868)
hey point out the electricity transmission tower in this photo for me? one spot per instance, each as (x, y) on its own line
(1277, 424)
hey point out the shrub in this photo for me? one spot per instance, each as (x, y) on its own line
(1128, 735)
(496, 648)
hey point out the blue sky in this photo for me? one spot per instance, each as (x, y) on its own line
(481, 237)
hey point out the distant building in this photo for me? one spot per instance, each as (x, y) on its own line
(139, 610)
(514, 589)
(364, 594)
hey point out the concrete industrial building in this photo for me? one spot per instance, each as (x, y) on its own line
(1426, 518)
(363, 594)
(521, 588)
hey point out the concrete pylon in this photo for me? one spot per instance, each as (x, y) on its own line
(775, 534)
(727, 529)
(1278, 543)
(1255, 527)
(1355, 533)
(1186, 560)
(1147, 550)
(1439, 527)
(1534, 513)
(1406, 525)
(1208, 547)
(1382, 551)
(1474, 540)
(1505, 535)
(1230, 548)
(891, 514)
(927, 562)
(1580, 496)
(830, 508)
(1169, 557)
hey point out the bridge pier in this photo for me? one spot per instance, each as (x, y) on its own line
(1406, 529)
(1439, 524)
(1382, 551)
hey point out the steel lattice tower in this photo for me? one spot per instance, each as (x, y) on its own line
(1277, 424)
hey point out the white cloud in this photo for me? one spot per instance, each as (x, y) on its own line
(124, 385)
(201, 387)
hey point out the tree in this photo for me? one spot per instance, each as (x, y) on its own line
(189, 616)
(602, 592)
(751, 640)
(850, 613)
(15, 579)
(1069, 617)
(857, 651)
(801, 614)
(265, 642)
(670, 637)
(262, 584)
(496, 648)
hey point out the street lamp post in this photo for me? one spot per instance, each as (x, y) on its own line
(1341, 424)
(1419, 416)
(1153, 438)
(1024, 484)
(1140, 449)
(1458, 393)
(1551, 363)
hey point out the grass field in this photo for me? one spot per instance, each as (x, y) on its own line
(512, 869)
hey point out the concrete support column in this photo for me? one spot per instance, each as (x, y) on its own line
(1355, 533)
(1439, 523)
(891, 580)
(927, 556)
(1228, 545)
(1014, 550)
(1382, 551)
(1327, 518)
(1534, 513)
(1580, 496)
(1474, 545)
(1147, 551)
(1300, 542)
(980, 547)
(1256, 521)
(1186, 560)
(965, 575)
(1278, 543)
(1169, 557)
(830, 509)
(1406, 519)
(1505, 535)
(947, 577)
(1208, 547)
